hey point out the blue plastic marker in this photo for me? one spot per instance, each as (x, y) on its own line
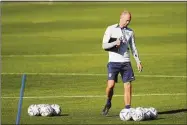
(21, 99)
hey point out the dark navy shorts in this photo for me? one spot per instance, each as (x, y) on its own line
(125, 69)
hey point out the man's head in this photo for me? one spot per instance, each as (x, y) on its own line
(125, 18)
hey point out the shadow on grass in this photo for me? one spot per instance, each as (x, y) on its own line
(61, 115)
(153, 119)
(173, 111)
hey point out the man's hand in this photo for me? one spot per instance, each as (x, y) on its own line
(140, 67)
(118, 42)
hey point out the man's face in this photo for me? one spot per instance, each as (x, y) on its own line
(125, 18)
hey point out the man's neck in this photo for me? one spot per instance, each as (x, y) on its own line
(122, 26)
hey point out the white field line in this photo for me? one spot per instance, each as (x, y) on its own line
(91, 74)
(92, 96)
(90, 54)
(53, 55)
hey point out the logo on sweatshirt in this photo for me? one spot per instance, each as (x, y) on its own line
(123, 39)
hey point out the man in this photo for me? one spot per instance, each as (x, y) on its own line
(117, 40)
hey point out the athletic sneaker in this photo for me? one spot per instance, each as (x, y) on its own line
(106, 109)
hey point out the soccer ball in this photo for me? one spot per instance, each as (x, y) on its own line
(46, 110)
(125, 114)
(33, 110)
(147, 114)
(153, 113)
(138, 115)
(132, 110)
(140, 108)
(40, 106)
(56, 109)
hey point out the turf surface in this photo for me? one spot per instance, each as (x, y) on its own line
(65, 38)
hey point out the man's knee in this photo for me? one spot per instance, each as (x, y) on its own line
(110, 84)
(127, 85)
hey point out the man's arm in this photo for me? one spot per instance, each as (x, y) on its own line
(135, 52)
(106, 38)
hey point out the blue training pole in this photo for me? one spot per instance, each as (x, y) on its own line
(21, 99)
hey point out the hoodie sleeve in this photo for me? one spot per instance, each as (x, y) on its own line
(134, 49)
(106, 38)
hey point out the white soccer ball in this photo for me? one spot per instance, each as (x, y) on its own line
(154, 113)
(125, 114)
(46, 110)
(33, 110)
(40, 106)
(138, 115)
(56, 109)
(132, 110)
(147, 114)
(140, 108)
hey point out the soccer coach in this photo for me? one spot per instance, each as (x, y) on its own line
(117, 40)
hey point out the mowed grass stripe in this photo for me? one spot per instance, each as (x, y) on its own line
(91, 74)
(95, 96)
(92, 54)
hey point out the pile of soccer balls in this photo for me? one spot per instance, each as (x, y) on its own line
(44, 110)
(138, 114)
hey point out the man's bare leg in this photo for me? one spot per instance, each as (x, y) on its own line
(127, 94)
(109, 93)
(110, 89)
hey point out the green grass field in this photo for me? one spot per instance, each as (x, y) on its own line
(58, 46)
